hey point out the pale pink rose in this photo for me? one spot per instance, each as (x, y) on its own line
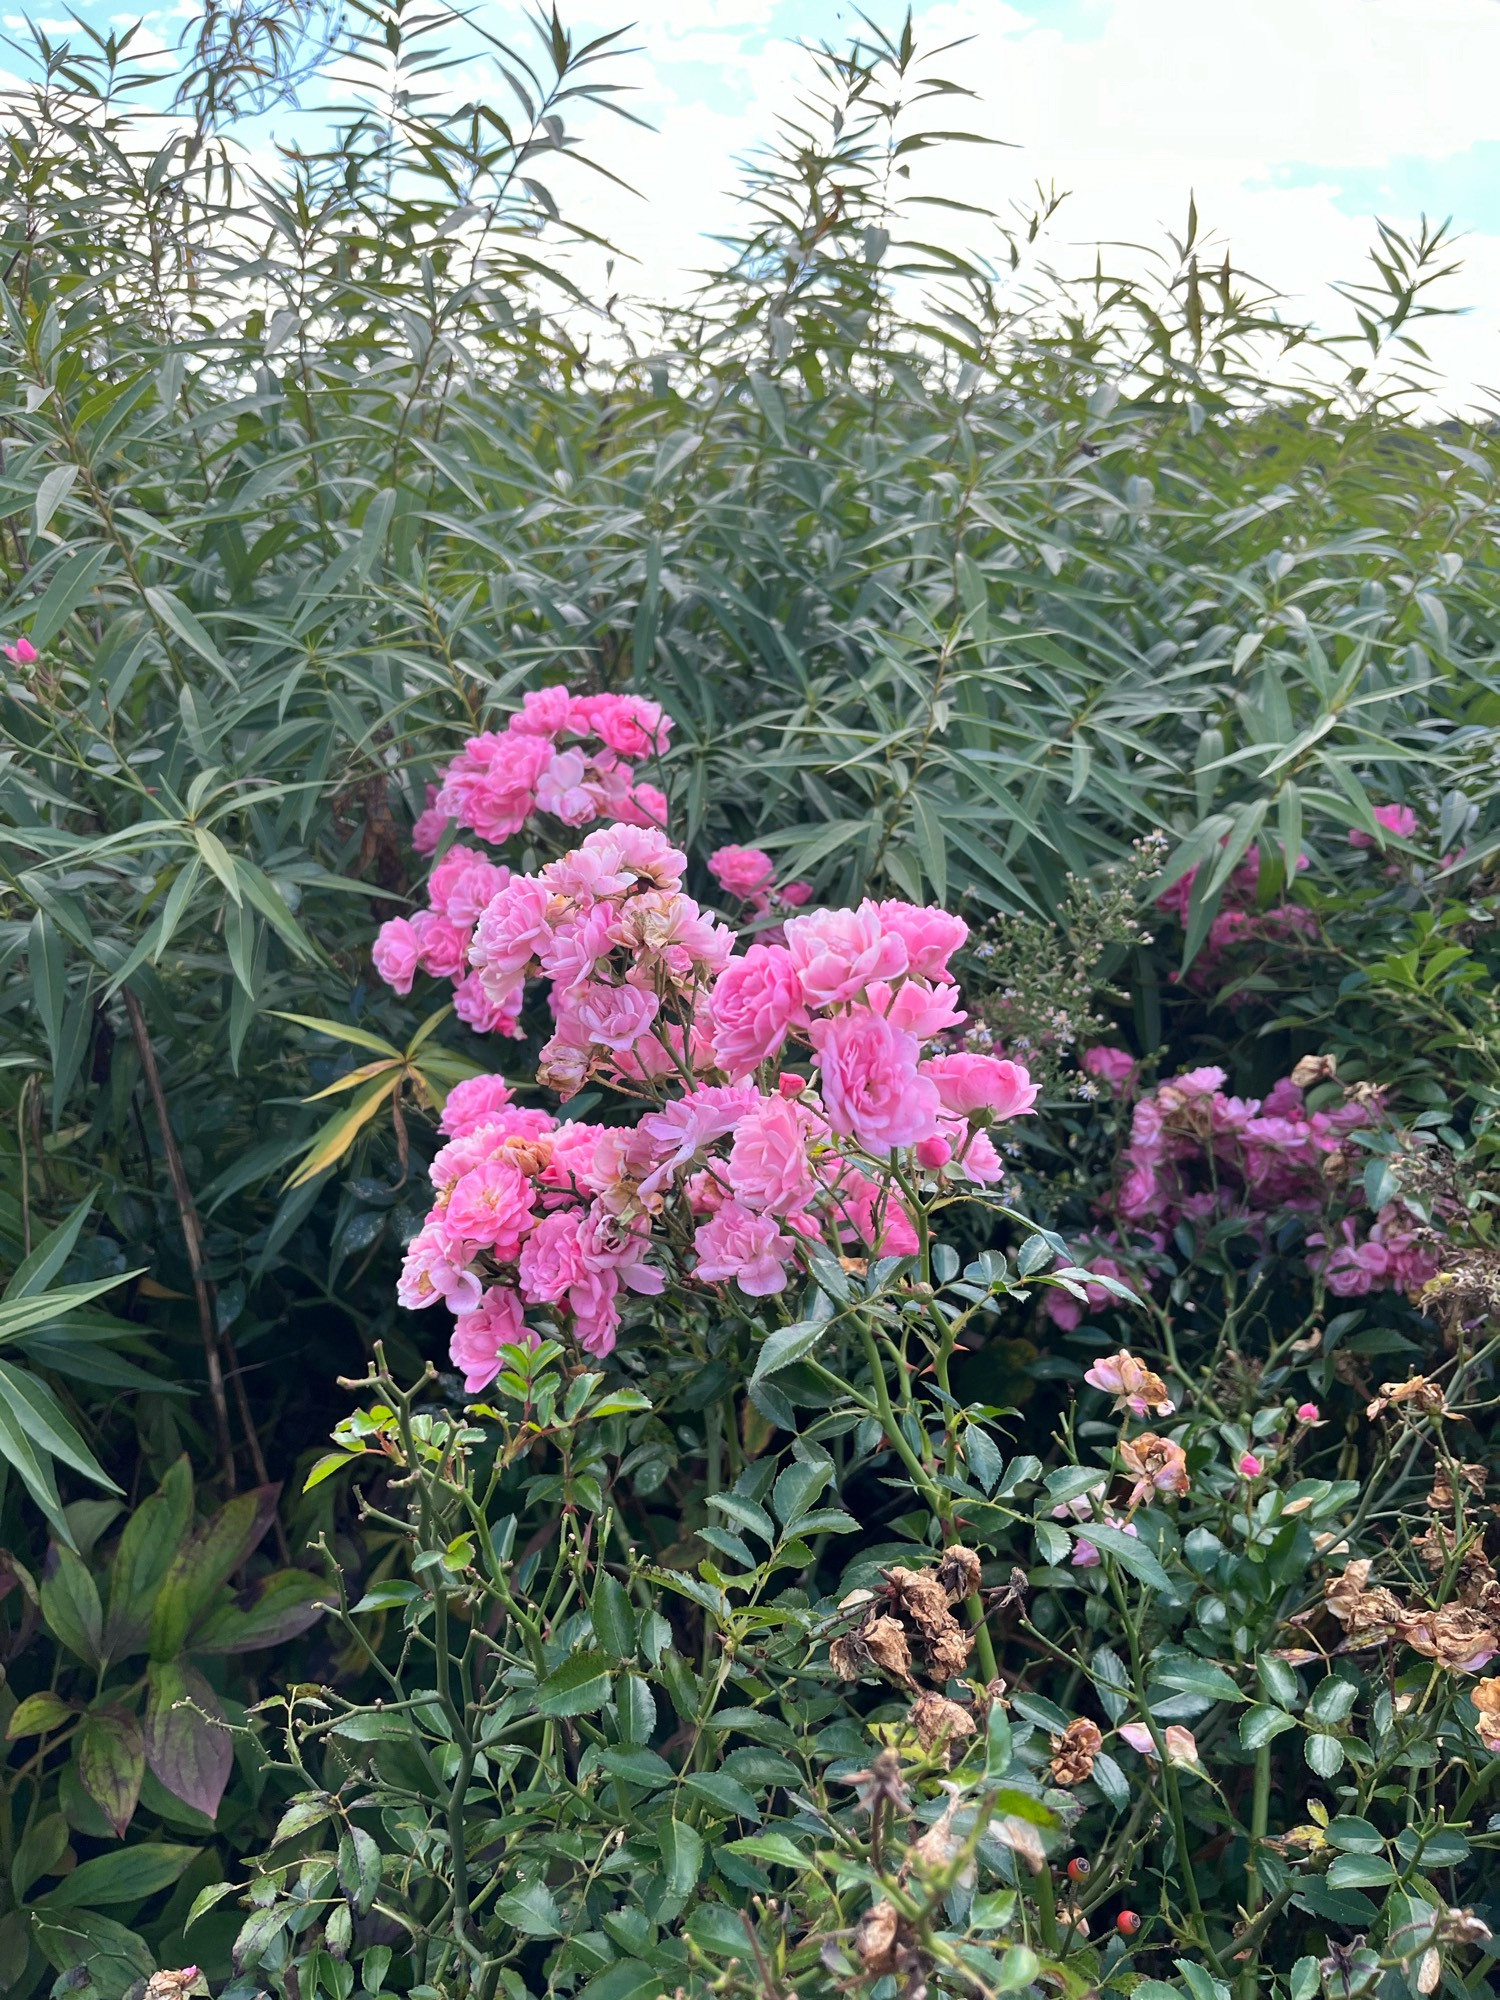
(1399, 820)
(544, 711)
(430, 1272)
(473, 1103)
(1180, 1744)
(576, 950)
(748, 1248)
(974, 1154)
(561, 791)
(608, 1242)
(644, 805)
(552, 1257)
(871, 1087)
(746, 872)
(396, 954)
(971, 1083)
(431, 824)
(447, 872)
(675, 933)
(510, 933)
(838, 953)
(608, 1017)
(478, 1337)
(1139, 1737)
(442, 947)
(1116, 1067)
(596, 1317)
(499, 802)
(931, 937)
(768, 1164)
(491, 1206)
(478, 1010)
(613, 859)
(466, 892)
(1129, 1381)
(755, 1003)
(630, 726)
(681, 1129)
(486, 1142)
(1085, 1554)
(917, 1008)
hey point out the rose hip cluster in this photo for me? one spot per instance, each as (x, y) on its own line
(738, 1160)
(565, 756)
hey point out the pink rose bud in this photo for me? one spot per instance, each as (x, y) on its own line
(790, 1084)
(934, 1152)
(22, 653)
(1250, 1466)
(1309, 1413)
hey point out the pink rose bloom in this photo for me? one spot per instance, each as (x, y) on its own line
(596, 1317)
(463, 894)
(748, 1248)
(796, 894)
(552, 1257)
(396, 954)
(608, 1017)
(879, 1222)
(1399, 820)
(837, 953)
(969, 1083)
(613, 859)
(486, 1142)
(473, 1103)
(22, 653)
(931, 937)
(510, 933)
(498, 803)
(431, 824)
(1309, 1413)
(491, 1206)
(442, 947)
(486, 1016)
(561, 791)
(1250, 1466)
(1129, 1381)
(630, 726)
(746, 872)
(430, 1272)
(606, 1242)
(563, 1067)
(1139, 1737)
(975, 1155)
(1350, 1269)
(543, 712)
(1116, 1067)
(447, 872)
(674, 932)
(917, 1008)
(478, 1337)
(681, 1129)
(755, 1003)
(871, 1086)
(644, 805)
(768, 1164)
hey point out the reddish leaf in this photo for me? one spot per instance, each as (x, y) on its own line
(188, 1744)
(111, 1764)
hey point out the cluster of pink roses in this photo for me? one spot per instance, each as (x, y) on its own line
(571, 756)
(739, 1162)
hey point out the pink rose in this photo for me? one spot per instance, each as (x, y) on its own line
(473, 1103)
(746, 872)
(931, 937)
(1130, 1382)
(969, 1083)
(491, 1206)
(561, 791)
(431, 824)
(552, 1257)
(755, 1003)
(917, 1008)
(871, 1086)
(544, 712)
(463, 894)
(22, 653)
(680, 1130)
(630, 726)
(498, 803)
(487, 1016)
(608, 1017)
(768, 1164)
(396, 954)
(1116, 1067)
(748, 1248)
(442, 947)
(837, 953)
(478, 1337)
(510, 933)
(430, 1272)
(1399, 820)
(644, 805)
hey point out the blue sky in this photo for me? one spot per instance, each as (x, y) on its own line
(1293, 122)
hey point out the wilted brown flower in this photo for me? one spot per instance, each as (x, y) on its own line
(1308, 1070)
(1159, 1466)
(958, 1572)
(1474, 1477)
(165, 1985)
(1485, 1696)
(938, 1721)
(1010, 1595)
(1424, 1396)
(948, 1653)
(1367, 1615)
(1459, 1637)
(1073, 1752)
(875, 1939)
(919, 1599)
(879, 1642)
(938, 1845)
(882, 1784)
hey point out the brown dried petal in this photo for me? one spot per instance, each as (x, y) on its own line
(1073, 1752)
(884, 1640)
(1309, 1070)
(875, 1938)
(958, 1572)
(948, 1653)
(936, 1720)
(917, 1596)
(848, 1655)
